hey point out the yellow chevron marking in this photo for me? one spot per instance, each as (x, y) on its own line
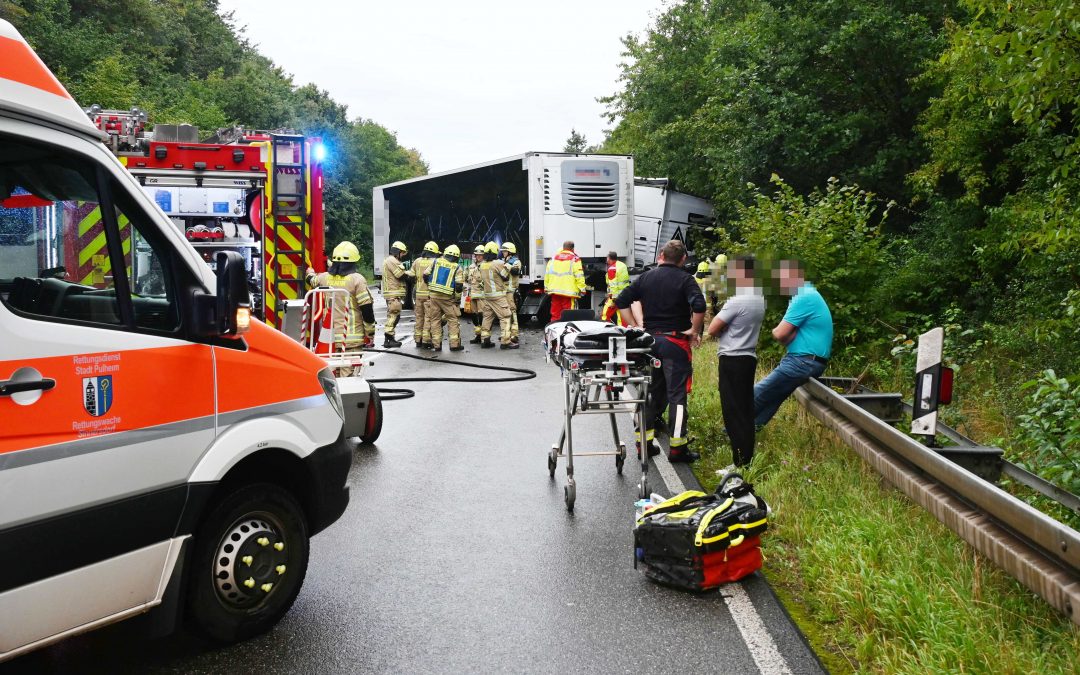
(91, 219)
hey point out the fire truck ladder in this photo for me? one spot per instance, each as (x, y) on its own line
(288, 222)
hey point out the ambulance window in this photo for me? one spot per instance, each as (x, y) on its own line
(53, 257)
(150, 277)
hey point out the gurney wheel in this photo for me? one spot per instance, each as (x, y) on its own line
(619, 460)
(643, 488)
(552, 463)
(570, 493)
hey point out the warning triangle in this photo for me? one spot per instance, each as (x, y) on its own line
(678, 235)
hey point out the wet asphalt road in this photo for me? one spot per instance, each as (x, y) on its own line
(456, 554)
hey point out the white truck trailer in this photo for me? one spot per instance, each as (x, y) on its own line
(662, 214)
(536, 200)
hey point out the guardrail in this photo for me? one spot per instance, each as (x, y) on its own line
(1037, 550)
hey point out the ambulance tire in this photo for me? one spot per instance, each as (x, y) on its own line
(375, 418)
(209, 612)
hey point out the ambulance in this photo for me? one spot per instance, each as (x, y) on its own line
(160, 452)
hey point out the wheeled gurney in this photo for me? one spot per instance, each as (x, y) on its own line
(596, 358)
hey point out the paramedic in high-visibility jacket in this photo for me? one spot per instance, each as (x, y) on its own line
(445, 282)
(674, 310)
(618, 278)
(353, 317)
(564, 280)
(394, 286)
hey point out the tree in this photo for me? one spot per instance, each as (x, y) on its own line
(576, 143)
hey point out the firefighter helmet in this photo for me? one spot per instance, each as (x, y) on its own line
(399, 246)
(703, 266)
(491, 247)
(346, 251)
(509, 246)
(431, 247)
(452, 251)
(479, 250)
(721, 259)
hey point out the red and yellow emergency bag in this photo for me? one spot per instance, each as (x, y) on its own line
(697, 541)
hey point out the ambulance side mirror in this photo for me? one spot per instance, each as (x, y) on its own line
(228, 312)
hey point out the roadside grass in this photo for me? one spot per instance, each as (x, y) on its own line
(875, 582)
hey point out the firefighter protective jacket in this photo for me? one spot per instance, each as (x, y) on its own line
(494, 278)
(445, 278)
(420, 268)
(393, 277)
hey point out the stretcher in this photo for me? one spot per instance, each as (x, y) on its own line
(606, 370)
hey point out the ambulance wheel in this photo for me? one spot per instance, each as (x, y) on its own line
(570, 494)
(374, 418)
(248, 563)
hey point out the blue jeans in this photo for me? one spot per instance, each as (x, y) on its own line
(790, 374)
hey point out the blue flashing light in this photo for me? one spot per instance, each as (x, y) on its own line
(319, 152)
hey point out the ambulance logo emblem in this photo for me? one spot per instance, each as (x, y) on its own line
(97, 394)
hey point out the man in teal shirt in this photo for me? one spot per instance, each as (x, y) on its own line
(806, 330)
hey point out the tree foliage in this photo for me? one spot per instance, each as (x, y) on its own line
(183, 61)
(958, 119)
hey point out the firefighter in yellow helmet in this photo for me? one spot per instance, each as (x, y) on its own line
(420, 267)
(353, 314)
(445, 283)
(618, 278)
(509, 255)
(494, 282)
(394, 285)
(475, 292)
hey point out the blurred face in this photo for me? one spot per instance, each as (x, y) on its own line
(790, 277)
(737, 273)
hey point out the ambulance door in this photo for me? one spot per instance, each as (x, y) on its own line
(105, 406)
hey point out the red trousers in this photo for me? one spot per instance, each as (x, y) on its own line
(561, 303)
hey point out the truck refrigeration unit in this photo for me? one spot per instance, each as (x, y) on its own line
(536, 200)
(662, 214)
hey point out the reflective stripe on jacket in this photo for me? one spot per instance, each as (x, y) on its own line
(564, 275)
(493, 278)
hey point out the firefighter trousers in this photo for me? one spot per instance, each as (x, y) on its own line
(443, 307)
(513, 314)
(492, 308)
(669, 387)
(420, 330)
(393, 313)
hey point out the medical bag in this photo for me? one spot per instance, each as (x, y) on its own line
(697, 541)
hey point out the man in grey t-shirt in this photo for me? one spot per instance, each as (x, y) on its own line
(737, 327)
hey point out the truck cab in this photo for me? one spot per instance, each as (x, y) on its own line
(160, 450)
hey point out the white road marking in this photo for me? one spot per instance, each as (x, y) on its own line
(760, 644)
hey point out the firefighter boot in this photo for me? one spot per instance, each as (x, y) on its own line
(509, 345)
(389, 341)
(476, 339)
(487, 343)
(458, 348)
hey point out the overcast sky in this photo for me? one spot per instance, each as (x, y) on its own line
(462, 82)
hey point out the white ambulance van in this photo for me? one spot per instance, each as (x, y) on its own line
(158, 450)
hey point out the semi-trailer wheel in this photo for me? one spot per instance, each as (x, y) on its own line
(248, 563)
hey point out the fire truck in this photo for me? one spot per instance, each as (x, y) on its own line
(255, 192)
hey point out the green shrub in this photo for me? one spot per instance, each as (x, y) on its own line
(1049, 432)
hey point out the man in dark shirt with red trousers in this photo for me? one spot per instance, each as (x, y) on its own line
(674, 310)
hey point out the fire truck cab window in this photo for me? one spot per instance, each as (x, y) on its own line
(59, 255)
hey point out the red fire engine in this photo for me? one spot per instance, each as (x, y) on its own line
(256, 192)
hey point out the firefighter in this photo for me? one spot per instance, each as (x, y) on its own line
(509, 254)
(354, 315)
(564, 280)
(476, 293)
(422, 331)
(494, 281)
(394, 286)
(618, 278)
(445, 284)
